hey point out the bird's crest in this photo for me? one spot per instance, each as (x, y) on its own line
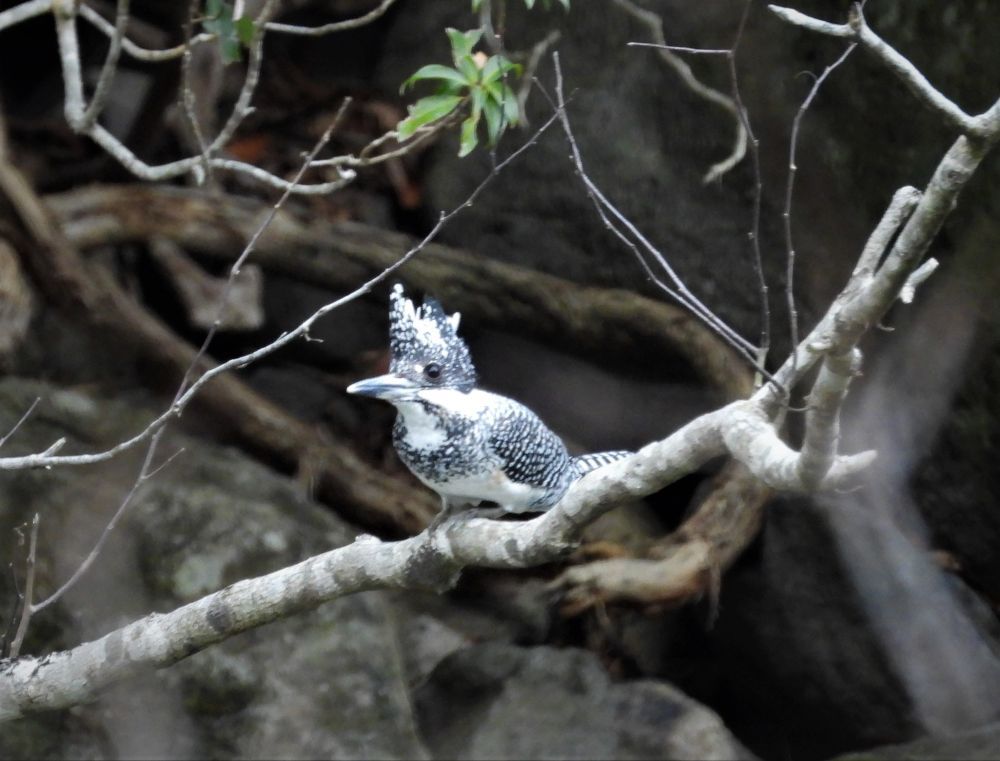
(425, 334)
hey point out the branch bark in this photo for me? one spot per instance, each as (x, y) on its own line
(427, 561)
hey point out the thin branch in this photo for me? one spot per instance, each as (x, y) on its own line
(74, 107)
(654, 24)
(130, 48)
(862, 305)
(88, 561)
(365, 159)
(187, 96)
(20, 422)
(69, 53)
(146, 472)
(23, 12)
(107, 75)
(41, 460)
(530, 67)
(786, 215)
(27, 609)
(336, 26)
(758, 261)
(234, 271)
(858, 30)
(242, 108)
(680, 49)
(604, 207)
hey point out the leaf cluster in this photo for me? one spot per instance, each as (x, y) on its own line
(233, 34)
(477, 81)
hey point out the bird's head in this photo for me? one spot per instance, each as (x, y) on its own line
(427, 352)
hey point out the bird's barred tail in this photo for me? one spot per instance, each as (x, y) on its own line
(585, 463)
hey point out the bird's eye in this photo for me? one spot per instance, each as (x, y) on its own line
(433, 371)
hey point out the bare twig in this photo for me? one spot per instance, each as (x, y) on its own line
(530, 67)
(607, 211)
(39, 460)
(27, 609)
(681, 49)
(65, 12)
(654, 24)
(20, 422)
(758, 192)
(242, 109)
(146, 471)
(108, 69)
(234, 271)
(786, 214)
(365, 159)
(858, 30)
(187, 97)
(336, 26)
(81, 570)
(130, 48)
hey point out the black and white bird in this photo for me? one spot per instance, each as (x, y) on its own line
(468, 445)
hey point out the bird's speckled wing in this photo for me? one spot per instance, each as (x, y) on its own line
(530, 452)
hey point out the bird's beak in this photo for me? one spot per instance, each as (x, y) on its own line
(386, 387)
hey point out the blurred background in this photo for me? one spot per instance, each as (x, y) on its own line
(839, 624)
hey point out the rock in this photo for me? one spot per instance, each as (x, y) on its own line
(326, 683)
(976, 745)
(501, 701)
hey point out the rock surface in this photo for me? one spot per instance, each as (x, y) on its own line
(337, 682)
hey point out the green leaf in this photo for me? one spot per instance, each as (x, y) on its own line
(219, 21)
(462, 43)
(425, 111)
(245, 30)
(467, 66)
(496, 67)
(469, 140)
(511, 113)
(494, 120)
(438, 72)
(478, 101)
(476, 5)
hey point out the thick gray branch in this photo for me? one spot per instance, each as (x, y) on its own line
(23, 12)
(426, 561)
(819, 447)
(752, 439)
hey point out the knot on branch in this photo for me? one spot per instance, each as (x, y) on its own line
(430, 567)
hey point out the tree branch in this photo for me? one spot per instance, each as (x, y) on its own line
(857, 29)
(336, 26)
(427, 561)
(23, 12)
